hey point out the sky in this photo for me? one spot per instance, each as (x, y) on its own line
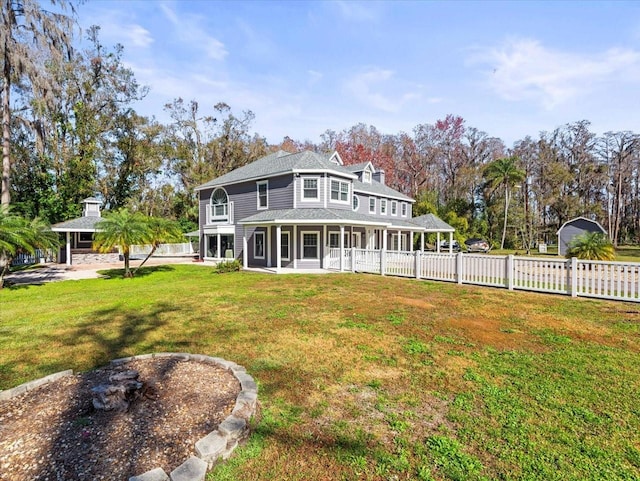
(510, 69)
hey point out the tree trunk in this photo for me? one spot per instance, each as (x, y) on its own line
(153, 249)
(506, 210)
(5, 197)
(127, 270)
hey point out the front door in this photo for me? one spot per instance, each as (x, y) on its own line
(356, 240)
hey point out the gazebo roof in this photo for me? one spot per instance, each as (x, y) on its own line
(432, 223)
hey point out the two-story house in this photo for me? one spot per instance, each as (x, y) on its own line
(288, 210)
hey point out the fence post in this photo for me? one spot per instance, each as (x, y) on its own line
(418, 264)
(353, 259)
(510, 273)
(574, 277)
(459, 268)
(383, 261)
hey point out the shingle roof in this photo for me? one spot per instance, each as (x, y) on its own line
(377, 188)
(357, 167)
(432, 223)
(79, 224)
(277, 163)
(326, 216)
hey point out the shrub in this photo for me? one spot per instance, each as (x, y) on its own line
(228, 266)
(593, 246)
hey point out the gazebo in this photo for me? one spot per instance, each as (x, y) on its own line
(79, 236)
(432, 223)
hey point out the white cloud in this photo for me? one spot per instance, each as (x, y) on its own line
(357, 11)
(525, 69)
(189, 31)
(367, 87)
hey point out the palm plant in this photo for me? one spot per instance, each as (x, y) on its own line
(121, 229)
(24, 26)
(160, 231)
(504, 173)
(593, 246)
(18, 234)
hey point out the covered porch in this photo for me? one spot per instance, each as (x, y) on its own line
(322, 239)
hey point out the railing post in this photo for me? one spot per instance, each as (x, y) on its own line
(459, 267)
(383, 261)
(353, 259)
(574, 277)
(510, 274)
(418, 264)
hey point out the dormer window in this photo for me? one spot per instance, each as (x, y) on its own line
(366, 176)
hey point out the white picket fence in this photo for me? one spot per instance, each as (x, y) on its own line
(574, 277)
(180, 249)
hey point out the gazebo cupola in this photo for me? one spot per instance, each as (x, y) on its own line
(91, 207)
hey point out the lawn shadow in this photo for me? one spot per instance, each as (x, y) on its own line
(142, 272)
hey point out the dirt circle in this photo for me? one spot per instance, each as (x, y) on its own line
(54, 433)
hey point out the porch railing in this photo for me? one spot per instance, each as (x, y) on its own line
(598, 279)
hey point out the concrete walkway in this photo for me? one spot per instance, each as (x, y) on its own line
(43, 273)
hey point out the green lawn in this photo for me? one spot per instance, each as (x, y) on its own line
(367, 377)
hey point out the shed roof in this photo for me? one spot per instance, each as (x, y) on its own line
(595, 223)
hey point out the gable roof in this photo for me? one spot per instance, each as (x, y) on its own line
(279, 163)
(380, 189)
(432, 223)
(359, 167)
(79, 224)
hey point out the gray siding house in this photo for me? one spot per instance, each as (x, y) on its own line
(288, 210)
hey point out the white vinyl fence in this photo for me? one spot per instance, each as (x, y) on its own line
(574, 277)
(181, 249)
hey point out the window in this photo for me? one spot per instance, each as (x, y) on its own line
(372, 205)
(367, 176)
(404, 209)
(263, 194)
(219, 205)
(310, 245)
(258, 245)
(284, 246)
(394, 207)
(334, 240)
(355, 202)
(340, 191)
(383, 206)
(309, 188)
(398, 242)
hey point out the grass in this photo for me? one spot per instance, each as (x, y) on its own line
(367, 377)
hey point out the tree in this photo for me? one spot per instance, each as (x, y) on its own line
(28, 34)
(121, 228)
(18, 234)
(594, 246)
(160, 231)
(505, 173)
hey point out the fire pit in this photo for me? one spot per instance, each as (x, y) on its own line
(133, 416)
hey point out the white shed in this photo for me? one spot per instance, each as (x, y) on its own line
(573, 228)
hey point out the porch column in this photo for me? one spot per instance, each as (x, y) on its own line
(325, 248)
(268, 246)
(295, 246)
(383, 252)
(421, 241)
(220, 246)
(438, 244)
(245, 248)
(278, 247)
(450, 242)
(341, 248)
(399, 240)
(410, 238)
(68, 248)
